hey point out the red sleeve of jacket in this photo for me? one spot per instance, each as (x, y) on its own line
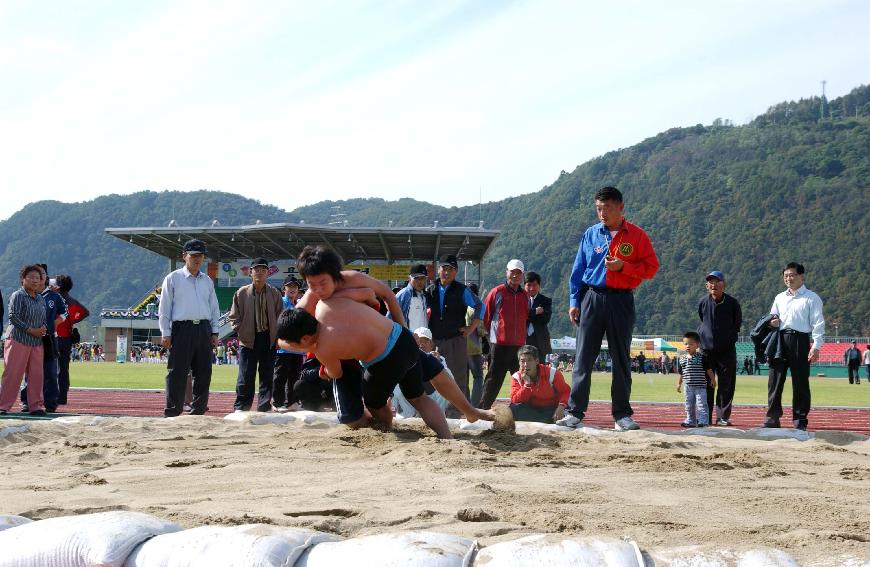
(563, 390)
(76, 313)
(519, 394)
(645, 263)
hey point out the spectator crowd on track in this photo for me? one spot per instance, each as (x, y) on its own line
(434, 347)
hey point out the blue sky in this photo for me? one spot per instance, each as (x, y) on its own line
(445, 101)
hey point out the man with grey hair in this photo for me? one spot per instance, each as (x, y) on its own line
(721, 317)
(506, 312)
(188, 317)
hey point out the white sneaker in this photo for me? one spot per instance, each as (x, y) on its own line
(293, 407)
(625, 424)
(570, 421)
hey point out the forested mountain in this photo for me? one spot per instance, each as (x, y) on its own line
(791, 185)
(106, 271)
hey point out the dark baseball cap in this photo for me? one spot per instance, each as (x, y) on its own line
(194, 246)
(448, 260)
(259, 262)
(418, 270)
(290, 280)
(715, 274)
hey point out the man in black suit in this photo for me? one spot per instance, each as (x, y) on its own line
(540, 311)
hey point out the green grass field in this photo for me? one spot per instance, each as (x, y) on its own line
(646, 387)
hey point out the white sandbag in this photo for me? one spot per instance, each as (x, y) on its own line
(82, 420)
(249, 545)
(695, 556)
(406, 549)
(780, 433)
(302, 417)
(532, 427)
(11, 521)
(552, 550)
(12, 429)
(104, 539)
(479, 425)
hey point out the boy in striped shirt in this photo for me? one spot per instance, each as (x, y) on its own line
(692, 373)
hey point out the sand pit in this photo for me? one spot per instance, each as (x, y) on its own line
(807, 496)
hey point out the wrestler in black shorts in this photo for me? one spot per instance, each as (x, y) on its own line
(399, 365)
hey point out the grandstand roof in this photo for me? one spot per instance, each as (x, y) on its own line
(286, 240)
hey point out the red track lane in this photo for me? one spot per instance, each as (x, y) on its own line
(648, 415)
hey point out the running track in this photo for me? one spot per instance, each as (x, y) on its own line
(648, 415)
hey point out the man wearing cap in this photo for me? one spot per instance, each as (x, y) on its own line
(614, 256)
(254, 317)
(506, 316)
(721, 318)
(188, 317)
(852, 359)
(412, 298)
(288, 364)
(448, 301)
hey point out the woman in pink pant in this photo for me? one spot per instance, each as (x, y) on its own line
(22, 345)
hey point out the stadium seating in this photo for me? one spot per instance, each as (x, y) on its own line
(832, 353)
(745, 349)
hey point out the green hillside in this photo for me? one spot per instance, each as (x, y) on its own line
(741, 199)
(106, 271)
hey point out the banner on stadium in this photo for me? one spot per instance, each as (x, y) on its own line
(382, 271)
(281, 269)
(242, 269)
(121, 343)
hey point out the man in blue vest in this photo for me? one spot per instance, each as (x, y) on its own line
(448, 301)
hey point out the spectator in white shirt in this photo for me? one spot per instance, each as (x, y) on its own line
(412, 299)
(798, 314)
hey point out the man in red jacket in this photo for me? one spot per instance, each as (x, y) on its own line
(505, 317)
(63, 283)
(538, 391)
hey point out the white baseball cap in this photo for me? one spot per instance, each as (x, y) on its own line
(423, 332)
(516, 265)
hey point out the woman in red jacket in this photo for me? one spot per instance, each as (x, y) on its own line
(538, 391)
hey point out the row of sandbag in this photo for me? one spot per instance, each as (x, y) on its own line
(133, 539)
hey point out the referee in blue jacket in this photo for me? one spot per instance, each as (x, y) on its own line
(188, 316)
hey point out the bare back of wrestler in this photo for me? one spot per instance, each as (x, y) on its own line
(345, 329)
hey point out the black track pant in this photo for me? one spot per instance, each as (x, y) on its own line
(724, 365)
(190, 352)
(502, 360)
(796, 348)
(611, 315)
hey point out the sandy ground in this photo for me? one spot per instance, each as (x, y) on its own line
(810, 498)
